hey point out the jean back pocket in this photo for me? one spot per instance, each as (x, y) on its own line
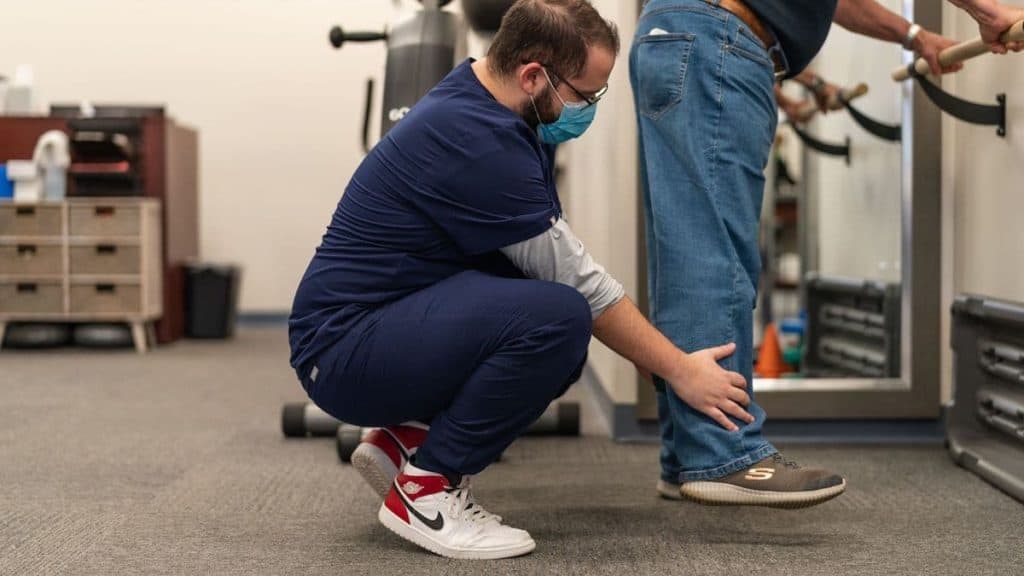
(661, 63)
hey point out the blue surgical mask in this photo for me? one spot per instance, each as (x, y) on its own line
(572, 122)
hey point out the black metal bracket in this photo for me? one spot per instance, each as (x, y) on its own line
(890, 132)
(842, 150)
(971, 112)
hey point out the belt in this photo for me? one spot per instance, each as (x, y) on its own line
(740, 10)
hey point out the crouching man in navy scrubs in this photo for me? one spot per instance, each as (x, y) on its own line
(449, 303)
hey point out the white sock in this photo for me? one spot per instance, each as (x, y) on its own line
(412, 470)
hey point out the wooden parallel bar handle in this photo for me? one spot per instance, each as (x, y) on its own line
(835, 102)
(845, 95)
(960, 53)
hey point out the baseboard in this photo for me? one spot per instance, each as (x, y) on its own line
(262, 318)
(823, 431)
(624, 426)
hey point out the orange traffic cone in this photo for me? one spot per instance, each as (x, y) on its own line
(769, 358)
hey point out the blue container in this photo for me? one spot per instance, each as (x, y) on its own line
(792, 326)
(6, 187)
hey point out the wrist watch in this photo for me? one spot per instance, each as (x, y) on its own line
(908, 40)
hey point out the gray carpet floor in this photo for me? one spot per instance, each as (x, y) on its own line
(173, 463)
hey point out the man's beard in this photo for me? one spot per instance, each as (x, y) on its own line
(545, 108)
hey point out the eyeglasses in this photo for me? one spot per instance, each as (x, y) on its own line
(591, 100)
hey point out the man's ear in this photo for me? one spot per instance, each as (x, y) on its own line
(531, 78)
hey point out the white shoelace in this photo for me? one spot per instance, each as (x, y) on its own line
(461, 505)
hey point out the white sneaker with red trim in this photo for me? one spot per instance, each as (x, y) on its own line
(424, 509)
(383, 452)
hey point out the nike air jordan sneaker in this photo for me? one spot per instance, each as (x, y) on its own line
(425, 509)
(774, 482)
(384, 451)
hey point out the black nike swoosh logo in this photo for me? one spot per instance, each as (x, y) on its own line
(436, 524)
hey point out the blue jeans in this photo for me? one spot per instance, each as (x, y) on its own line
(703, 87)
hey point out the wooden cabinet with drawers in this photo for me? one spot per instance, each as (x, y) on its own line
(166, 169)
(82, 260)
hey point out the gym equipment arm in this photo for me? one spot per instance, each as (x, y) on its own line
(338, 37)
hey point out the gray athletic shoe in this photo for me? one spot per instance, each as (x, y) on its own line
(668, 490)
(774, 482)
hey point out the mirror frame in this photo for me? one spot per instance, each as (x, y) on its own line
(916, 393)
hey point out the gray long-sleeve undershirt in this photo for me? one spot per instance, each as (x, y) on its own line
(557, 255)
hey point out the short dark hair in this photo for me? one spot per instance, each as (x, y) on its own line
(556, 33)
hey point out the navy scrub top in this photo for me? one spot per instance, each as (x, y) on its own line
(801, 27)
(455, 180)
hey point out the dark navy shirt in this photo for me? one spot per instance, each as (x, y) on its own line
(455, 180)
(801, 26)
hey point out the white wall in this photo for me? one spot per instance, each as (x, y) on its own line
(988, 202)
(278, 111)
(859, 205)
(982, 176)
(601, 193)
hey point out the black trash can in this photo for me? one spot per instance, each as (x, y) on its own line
(211, 300)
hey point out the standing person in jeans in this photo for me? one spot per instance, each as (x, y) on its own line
(703, 73)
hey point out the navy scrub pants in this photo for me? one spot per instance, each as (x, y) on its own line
(477, 356)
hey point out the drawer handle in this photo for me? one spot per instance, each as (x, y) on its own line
(26, 251)
(106, 288)
(25, 211)
(27, 288)
(105, 211)
(106, 249)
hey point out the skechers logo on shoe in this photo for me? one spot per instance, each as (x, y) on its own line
(411, 488)
(760, 474)
(436, 524)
